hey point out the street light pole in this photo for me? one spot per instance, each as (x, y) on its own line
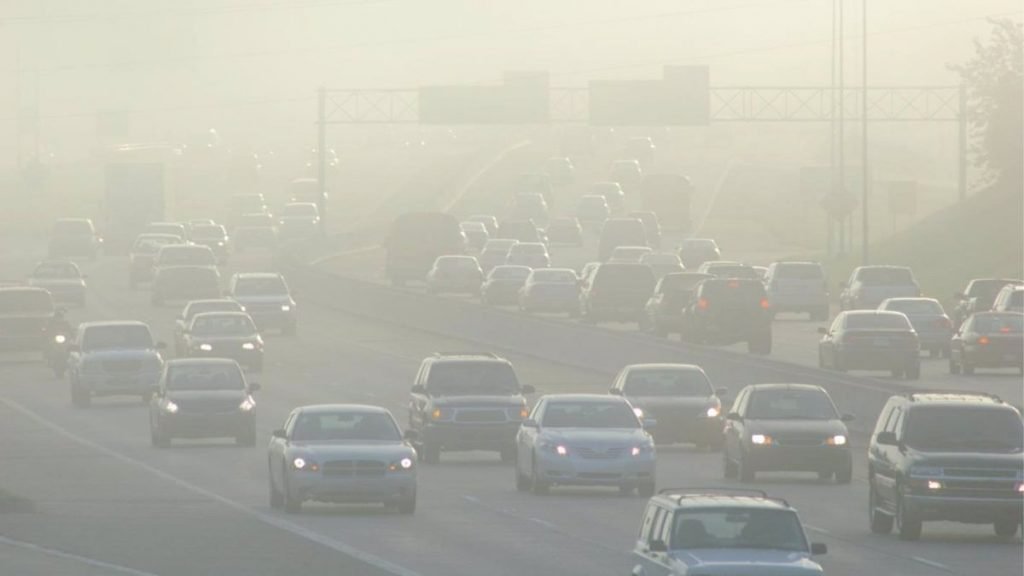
(865, 183)
(842, 131)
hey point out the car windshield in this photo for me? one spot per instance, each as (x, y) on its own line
(662, 260)
(152, 244)
(179, 255)
(345, 427)
(208, 232)
(117, 337)
(554, 276)
(699, 244)
(630, 252)
(270, 286)
(681, 282)
(761, 529)
(499, 245)
(915, 307)
(998, 323)
(593, 202)
(894, 321)
(885, 276)
(790, 404)
(172, 229)
(963, 428)
(222, 325)
(589, 415)
(472, 378)
(213, 306)
(510, 273)
(56, 270)
(692, 383)
(25, 302)
(793, 271)
(205, 376)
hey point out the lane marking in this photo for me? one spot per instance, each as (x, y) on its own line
(932, 563)
(73, 557)
(540, 522)
(274, 521)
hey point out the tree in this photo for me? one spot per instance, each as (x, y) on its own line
(995, 88)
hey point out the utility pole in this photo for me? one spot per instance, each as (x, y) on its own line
(842, 122)
(865, 183)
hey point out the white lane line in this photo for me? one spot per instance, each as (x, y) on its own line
(544, 523)
(549, 525)
(932, 563)
(816, 529)
(276, 522)
(73, 557)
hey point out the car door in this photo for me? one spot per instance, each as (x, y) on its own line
(889, 458)
(828, 342)
(75, 353)
(733, 428)
(657, 523)
(526, 439)
(277, 450)
(419, 399)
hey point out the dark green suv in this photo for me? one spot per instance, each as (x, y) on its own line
(946, 456)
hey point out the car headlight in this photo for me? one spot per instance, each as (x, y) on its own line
(440, 414)
(205, 347)
(761, 439)
(249, 346)
(300, 463)
(713, 412)
(837, 440)
(170, 407)
(286, 308)
(403, 465)
(638, 411)
(934, 485)
(561, 450)
(60, 339)
(925, 471)
(642, 449)
(247, 405)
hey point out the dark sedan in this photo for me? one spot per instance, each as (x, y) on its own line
(501, 287)
(786, 427)
(988, 340)
(663, 314)
(871, 340)
(550, 290)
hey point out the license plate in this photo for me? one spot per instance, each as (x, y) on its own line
(881, 341)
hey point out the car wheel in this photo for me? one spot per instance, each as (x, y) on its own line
(407, 505)
(1006, 527)
(645, 489)
(913, 372)
(508, 454)
(522, 482)
(844, 474)
(276, 498)
(880, 522)
(908, 525)
(967, 368)
(746, 471)
(954, 368)
(248, 436)
(431, 453)
(537, 486)
(729, 469)
(292, 503)
(158, 438)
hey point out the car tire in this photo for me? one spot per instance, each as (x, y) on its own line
(646, 489)
(1006, 527)
(276, 498)
(913, 372)
(522, 482)
(431, 453)
(954, 368)
(746, 472)
(508, 454)
(908, 526)
(844, 475)
(729, 469)
(880, 522)
(407, 506)
(537, 486)
(292, 505)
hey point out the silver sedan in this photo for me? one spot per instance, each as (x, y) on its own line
(341, 453)
(585, 440)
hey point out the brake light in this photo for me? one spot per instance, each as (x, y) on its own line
(1004, 330)
(765, 304)
(703, 303)
(733, 284)
(983, 340)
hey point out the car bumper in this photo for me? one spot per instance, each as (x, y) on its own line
(933, 339)
(798, 458)
(957, 509)
(570, 471)
(322, 488)
(991, 358)
(877, 358)
(508, 296)
(112, 384)
(461, 437)
(460, 287)
(191, 425)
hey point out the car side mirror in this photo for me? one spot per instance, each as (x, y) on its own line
(161, 345)
(254, 387)
(411, 435)
(721, 391)
(818, 548)
(734, 416)
(657, 546)
(419, 389)
(822, 330)
(886, 439)
(527, 389)
(279, 433)
(650, 423)
(848, 418)
(615, 391)
(530, 423)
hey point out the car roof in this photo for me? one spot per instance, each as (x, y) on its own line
(211, 301)
(886, 266)
(709, 498)
(20, 288)
(466, 357)
(911, 299)
(956, 399)
(870, 313)
(328, 408)
(108, 323)
(786, 386)
(252, 275)
(213, 313)
(663, 366)
(200, 362)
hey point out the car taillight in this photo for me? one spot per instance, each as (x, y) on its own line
(983, 340)
(703, 304)
(765, 304)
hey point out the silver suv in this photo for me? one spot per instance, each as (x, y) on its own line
(703, 533)
(798, 287)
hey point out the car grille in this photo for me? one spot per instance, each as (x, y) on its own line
(489, 415)
(208, 406)
(354, 468)
(980, 473)
(798, 440)
(122, 366)
(599, 454)
(599, 475)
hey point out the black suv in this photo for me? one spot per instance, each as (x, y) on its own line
(465, 402)
(729, 310)
(946, 456)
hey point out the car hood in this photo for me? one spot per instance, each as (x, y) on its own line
(478, 400)
(776, 427)
(712, 562)
(596, 436)
(694, 402)
(967, 460)
(323, 451)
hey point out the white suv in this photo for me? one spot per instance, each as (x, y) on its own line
(798, 287)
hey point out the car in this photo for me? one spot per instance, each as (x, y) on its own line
(176, 229)
(871, 340)
(652, 227)
(203, 398)
(550, 290)
(988, 340)
(612, 193)
(224, 335)
(74, 238)
(193, 223)
(259, 219)
(620, 232)
(534, 183)
(693, 532)
(564, 231)
(531, 207)
(466, 401)
(502, 284)
(662, 263)
(1009, 299)
(455, 275)
(27, 316)
(762, 272)
(495, 252)
(532, 254)
(183, 255)
(560, 170)
(728, 269)
(978, 296)
(585, 440)
(246, 238)
(243, 206)
(941, 456)
(298, 220)
(193, 307)
(184, 283)
(640, 148)
(476, 235)
(679, 396)
(663, 313)
(489, 221)
(725, 311)
(786, 427)
(629, 255)
(214, 237)
(113, 358)
(306, 189)
(694, 252)
(592, 210)
(142, 256)
(521, 230)
(934, 328)
(341, 453)
(799, 287)
(616, 293)
(267, 299)
(627, 173)
(62, 279)
(869, 285)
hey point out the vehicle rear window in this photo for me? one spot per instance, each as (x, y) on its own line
(28, 301)
(589, 415)
(799, 272)
(219, 376)
(152, 244)
(699, 244)
(886, 276)
(992, 323)
(529, 248)
(56, 270)
(964, 428)
(116, 337)
(986, 290)
(215, 232)
(457, 263)
(591, 201)
(790, 405)
(345, 427)
(187, 274)
(499, 245)
(912, 307)
(733, 291)
(172, 229)
(733, 271)
(469, 378)
(181, 255)
(624, 277)
(667, 383)
(661, 260)
(510, 273)
(681, 282)
(301, 210)
(555, 276)
(877, 322)
(759, 529)
(270, 286)
(1016, 299)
